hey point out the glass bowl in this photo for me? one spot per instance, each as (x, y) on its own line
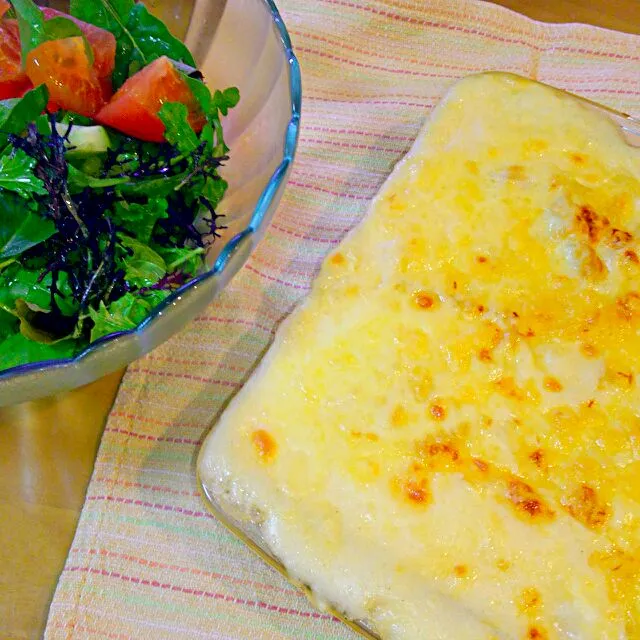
(242, 43)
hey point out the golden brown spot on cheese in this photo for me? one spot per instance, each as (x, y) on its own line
(552, 384)
(530, 599)
(516, 173)
(264, 444)
(627, 377)
(618, 379)
(507, 387)
(367, 435)
(593, 266)
(585, 506)
(338, 259)
(438, 455)
(503, 565)
(424, 300)
(622, 571)
(632, 256)
(461, 570)
(588, 350)
(591, 404)
(486, 420)
(416, 491)
(527, 502)
(538, 458)
(578, 158)
(481, 259)
(399, 416)
(480, 309)
(619, 237)
(628, 306)
(536, 633)
(590, 223)
(481, 465)
(472, 167)
(485, 355)
(496, 334)
(437, 411)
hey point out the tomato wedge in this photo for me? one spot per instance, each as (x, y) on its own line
(4, 7)
(134, 107)
(13, 80)
(64, 67)
(102, 42)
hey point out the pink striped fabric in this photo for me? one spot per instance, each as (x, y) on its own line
(147, 560)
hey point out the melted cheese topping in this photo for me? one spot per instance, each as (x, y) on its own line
(444, 439)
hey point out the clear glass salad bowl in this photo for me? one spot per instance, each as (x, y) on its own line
(241, 43)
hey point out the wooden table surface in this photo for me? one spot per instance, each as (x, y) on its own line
(47, 448)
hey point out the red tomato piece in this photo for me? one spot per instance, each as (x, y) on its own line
(134, 107)
(13, 80)
(4, 7)
(102, 42)
(63, 66)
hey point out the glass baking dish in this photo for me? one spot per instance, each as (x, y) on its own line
(247, 528)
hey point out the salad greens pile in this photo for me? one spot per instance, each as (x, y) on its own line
(97, 227)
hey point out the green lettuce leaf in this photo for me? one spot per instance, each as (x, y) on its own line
(16, 174)
(221, 102)
(108, 14)
(140, 219)
(152, 187)
(125, 313)
(153, 297)
(78, 180)
(30, 24)
(17, 113)
(20, 229)
(154, 40)
(143, 266)
(140, 36)
(18, 283)
(188, 260)
(8, 324)
(17, 350)
(214, 189)
(225, 100)
(178, 131)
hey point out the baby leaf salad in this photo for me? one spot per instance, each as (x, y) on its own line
(110, 145)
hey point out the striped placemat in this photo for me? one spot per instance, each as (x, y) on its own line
(147, 561)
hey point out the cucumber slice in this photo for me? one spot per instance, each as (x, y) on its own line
(87, 141)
